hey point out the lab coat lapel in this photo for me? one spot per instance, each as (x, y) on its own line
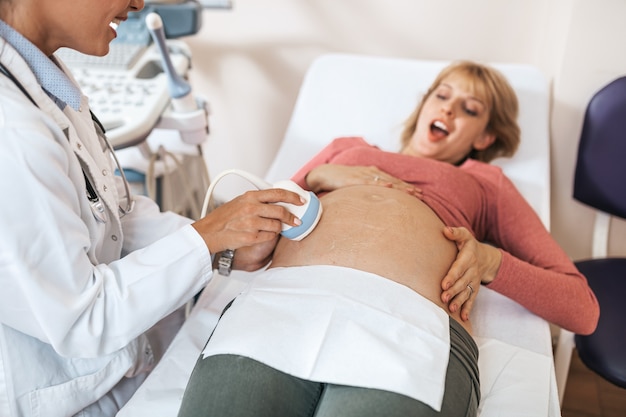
(82, 138)
(95, 160)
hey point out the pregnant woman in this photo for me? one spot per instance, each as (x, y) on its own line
(369, 315)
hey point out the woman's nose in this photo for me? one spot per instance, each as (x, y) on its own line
(136, 5)
(447, 108)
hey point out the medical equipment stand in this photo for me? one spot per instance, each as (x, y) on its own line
(169, 177)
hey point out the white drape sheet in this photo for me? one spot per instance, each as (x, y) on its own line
(342, 326)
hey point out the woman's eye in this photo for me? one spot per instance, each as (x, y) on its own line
(471, 112)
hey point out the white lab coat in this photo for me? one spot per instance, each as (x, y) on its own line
(77, 295)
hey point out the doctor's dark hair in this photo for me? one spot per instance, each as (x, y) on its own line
(489, 84)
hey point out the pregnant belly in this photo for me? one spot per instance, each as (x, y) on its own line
(379, 230)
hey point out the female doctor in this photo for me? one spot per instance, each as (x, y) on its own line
(86, 269)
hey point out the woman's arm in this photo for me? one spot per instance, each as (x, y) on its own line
(321, 175)
(324, 157)
(534, 270)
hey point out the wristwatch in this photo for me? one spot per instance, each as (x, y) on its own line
(225, 262)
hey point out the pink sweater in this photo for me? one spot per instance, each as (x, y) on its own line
(535, 271)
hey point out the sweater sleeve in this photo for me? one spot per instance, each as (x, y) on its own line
(325, 156)
(535, 271)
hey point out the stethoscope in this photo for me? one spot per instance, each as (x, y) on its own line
(97, 207)
(91, 193)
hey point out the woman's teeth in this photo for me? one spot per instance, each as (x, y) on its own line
(115, 23)
(440, 126)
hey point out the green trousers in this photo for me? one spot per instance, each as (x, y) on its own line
(236, 386)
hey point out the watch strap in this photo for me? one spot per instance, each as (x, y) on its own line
(225, 262)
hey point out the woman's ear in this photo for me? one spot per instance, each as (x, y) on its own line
(484, 141)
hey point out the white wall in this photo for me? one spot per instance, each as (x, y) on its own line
(593, 55)
(249, 62)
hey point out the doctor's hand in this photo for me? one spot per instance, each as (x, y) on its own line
(476, 263)
(329, 177)
(251, 258)
(248, 220)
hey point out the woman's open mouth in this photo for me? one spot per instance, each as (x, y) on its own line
(438, 129)
(115, 23)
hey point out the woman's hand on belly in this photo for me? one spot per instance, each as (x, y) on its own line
(475, 263)
(330, 177)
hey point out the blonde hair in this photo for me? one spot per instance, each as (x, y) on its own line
(489, 84)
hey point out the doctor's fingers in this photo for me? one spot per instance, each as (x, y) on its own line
(222, 229)
(241, 222)
(264, 204)
(272, 195)
(244, 211)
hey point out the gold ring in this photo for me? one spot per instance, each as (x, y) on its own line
(471, 289)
